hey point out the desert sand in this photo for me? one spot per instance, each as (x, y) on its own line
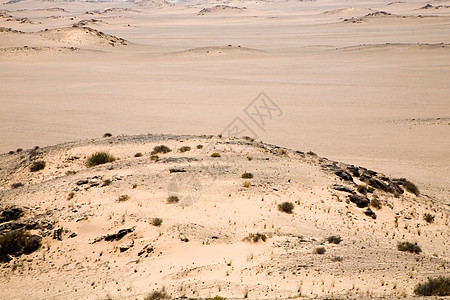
(363, 83)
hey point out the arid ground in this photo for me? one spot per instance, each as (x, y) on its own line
(347, 87)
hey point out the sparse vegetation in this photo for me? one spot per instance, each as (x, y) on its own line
(286, 207)
(199, 146)
(157, 295)
(11, 152)
(439, 286)
(19, 150)
(408, 185)
(429, 218)
(37, 166)
(255, 237)
(173, 199)
(139, 154)
(320, 250)
(161, 149)
(409, 247)
(215, 154)
(361, 189)
(107, 182)
(337, 259)
(375, 203)
(216, 298)
(247, 175)
(123, 198)
(184, 149)
(71, 195)
(157, 221)
(107, 135)
(334, 239)
(311, 153)
(99, 158)
(154, 157)
(246, 184)
(16, 185)
(17, 242)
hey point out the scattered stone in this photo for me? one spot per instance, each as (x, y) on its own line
(360, 201)
(344, 175)
(342, 188)
(72, 235)
(11, 214)
(370, 213)
(147, 249)
(183, 238)
(114, 236)
(57, 234)
(82, 181)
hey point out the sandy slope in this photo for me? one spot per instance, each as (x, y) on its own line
(199, 251)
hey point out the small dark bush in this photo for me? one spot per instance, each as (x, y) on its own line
(107, 182)
(11, 152)
(362, 189)
(160, 149)
(439, 286)
(375, 203)
(429, 218)
(199, 146)
(139, 154)
(255, 237)
(286, 207)
(13, 242)
(16, 185)
(157, 295)
(19, 150)
(334, 239)
(247, 175)
(107, 135)
(311, 153)
(337, 258)
(409, 247)
(408, 185)
(154, 157)
(37, 166)
(173, 199)
(99, 158)
(157, 221)
(215, 154)
(320, 250)
(184, 149)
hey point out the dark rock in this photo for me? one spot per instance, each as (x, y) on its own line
(146, 249)
(184, 238)
(370, 213)
(82, 181)
(395, 188)
(360, 201)
(72, 235)
(177, 170)
(354, 171)
(94, 184)
(11, 214)
(378, 184)
(342, 188)
(57, 234)
(344, 175)
(33, 244)
(124, 248)
(11, 226)
(114, 236)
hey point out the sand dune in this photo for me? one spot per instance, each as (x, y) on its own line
(348, 11)
(221, 9)
(98, 232)
(21, 51)
(218, 51)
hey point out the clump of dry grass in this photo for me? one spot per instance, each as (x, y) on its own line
(247, 175)
(255, 237)
(160, 149)
(320, 250)
(37, 166)
(439, 286)
(409, 247)
(408, 185)
(173, 199)
(429, 218)
(184, 149)
(99, 158)
(286, 207)
(334, 239)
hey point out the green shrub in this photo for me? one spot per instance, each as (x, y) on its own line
(362, 189)
(184, 149)
(215, 154)
(99, 158)
(429, 218)
(157, 295)
(439, 286)
(409, 247)
(37, 166)
(320, 250)
(375, 203)
(408, 185)
(246, 184)
(157, 221)
(286, 207)
(334, 239)
(255, 237)
(160, 149)
(139, 154)
(123, 198)
(173, 199)
(247, 175)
